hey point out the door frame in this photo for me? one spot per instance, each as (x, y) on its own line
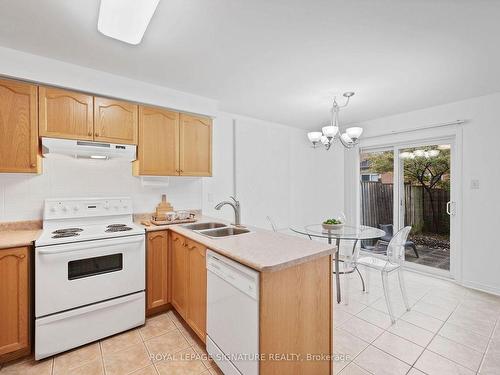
(452, 134)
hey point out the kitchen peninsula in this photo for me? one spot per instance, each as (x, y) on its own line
(295, 295)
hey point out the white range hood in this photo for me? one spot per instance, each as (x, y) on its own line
(88, 149)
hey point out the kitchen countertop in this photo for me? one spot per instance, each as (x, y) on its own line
(19, 237)
(261, 249)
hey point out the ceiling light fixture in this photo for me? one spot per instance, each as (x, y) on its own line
(330, 133)
(125, 20)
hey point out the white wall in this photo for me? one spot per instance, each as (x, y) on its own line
(317, 191)
(480, 156)
(30, 67)
(278, 174)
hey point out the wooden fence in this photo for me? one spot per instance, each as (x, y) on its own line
(377, 207)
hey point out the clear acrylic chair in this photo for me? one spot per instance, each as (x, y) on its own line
(273, 225)
(392, 261)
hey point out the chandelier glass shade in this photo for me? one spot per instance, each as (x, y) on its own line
(330, 133)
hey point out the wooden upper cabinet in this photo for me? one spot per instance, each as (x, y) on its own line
(18, 128)
(197, 289)
(179, 273)
(158, 149)
(65, 114)
(195, 145)
(157, 294)
(115, 121)
(14, 303)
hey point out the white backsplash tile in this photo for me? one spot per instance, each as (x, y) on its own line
(22, 195)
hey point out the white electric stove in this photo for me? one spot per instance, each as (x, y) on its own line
(89, 273)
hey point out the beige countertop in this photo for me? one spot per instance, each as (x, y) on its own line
(261, 249)
(20, 237)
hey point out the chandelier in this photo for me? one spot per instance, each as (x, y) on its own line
(329, 134)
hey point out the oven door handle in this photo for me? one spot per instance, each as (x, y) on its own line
(67, 248)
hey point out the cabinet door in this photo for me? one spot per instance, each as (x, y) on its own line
(179, 273)
(65, 114)
(195, 145)
(14, 300)
(18, 127)
(197, 289)
(157, 295)
(158, 142)
(115, 121)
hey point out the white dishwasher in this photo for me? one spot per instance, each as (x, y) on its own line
(232, 315)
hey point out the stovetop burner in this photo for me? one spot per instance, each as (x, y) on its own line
(65, 234)
(118, 228)
(67, 230)
(116, 225)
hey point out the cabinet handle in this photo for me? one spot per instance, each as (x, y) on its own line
(89, 134)
(185, 244)
(96, 134)
(192, 247)
(32, 165)
(176, 239)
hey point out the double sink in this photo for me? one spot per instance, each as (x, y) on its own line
(216, 230)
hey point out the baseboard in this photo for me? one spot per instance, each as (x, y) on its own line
(482, 287)
(467, 284)
(442, 276)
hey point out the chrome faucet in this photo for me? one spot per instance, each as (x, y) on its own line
(236, 207)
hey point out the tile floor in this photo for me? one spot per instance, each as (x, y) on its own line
(450, 330)
(179, 353)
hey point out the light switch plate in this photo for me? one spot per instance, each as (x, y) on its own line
(474, 184)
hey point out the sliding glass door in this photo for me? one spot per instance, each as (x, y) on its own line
(376, 189)
(419, 177)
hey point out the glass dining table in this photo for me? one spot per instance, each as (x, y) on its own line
(353, 233)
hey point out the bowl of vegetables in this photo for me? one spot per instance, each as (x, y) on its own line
(332, 224)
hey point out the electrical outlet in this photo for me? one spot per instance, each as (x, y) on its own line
(474, 184)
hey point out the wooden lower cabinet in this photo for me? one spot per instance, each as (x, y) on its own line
(197, 289)
(296, 319)
(157, 275)
(179, 271)
(189, 283)
(14, 303)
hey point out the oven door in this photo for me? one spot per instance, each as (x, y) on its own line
(78, 274)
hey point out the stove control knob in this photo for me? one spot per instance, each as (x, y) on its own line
(106, 206)
(76, 208)
(125, 206)
(117, 207)
(65, 208)
(53, 209)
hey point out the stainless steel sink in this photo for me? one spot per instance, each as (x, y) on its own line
(203, 226)
(224, 232)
